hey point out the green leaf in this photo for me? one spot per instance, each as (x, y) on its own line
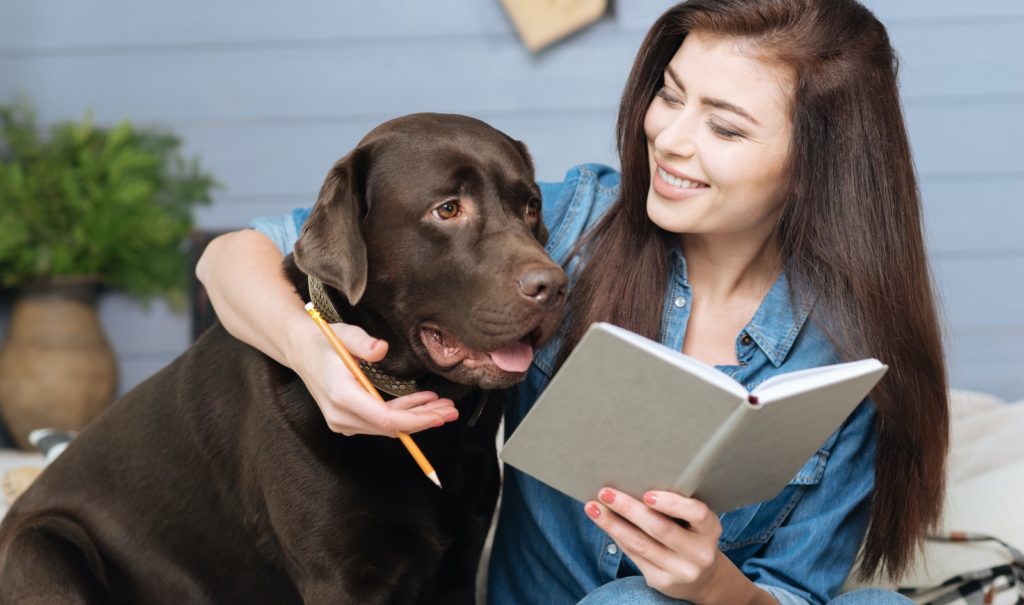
(113, 202)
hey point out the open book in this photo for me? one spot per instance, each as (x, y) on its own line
(630, 413)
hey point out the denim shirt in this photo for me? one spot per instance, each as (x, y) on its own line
(799, 546)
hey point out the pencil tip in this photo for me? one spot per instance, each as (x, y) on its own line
(433, 477)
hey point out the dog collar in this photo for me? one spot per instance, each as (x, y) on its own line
(395, 387)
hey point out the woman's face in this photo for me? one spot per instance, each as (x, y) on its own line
(718, 135)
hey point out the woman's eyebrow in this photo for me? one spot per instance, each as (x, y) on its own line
(718, 103)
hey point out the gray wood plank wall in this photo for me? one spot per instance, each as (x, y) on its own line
(269, 94)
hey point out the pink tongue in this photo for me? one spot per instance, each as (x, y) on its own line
(513, 358)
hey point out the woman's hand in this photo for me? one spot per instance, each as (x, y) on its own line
(347, 408)
(242, 274)
(679, 559)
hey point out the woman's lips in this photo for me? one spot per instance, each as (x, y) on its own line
(675, 190)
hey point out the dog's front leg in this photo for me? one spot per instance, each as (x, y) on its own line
(456, 580)
(344, 541)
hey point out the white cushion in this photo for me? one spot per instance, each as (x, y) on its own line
(985, 488)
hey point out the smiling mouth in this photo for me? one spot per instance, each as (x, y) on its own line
(678, 182)
(447, 352)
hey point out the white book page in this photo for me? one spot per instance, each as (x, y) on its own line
(791, 383)
(695, 366)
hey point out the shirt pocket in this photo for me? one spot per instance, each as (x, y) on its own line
(755, 524)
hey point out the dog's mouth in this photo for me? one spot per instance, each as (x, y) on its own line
(447, 352)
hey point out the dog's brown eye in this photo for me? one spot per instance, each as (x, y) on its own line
(447, 210)
(532, 208)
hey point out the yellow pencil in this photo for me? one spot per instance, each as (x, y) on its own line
(353, 366)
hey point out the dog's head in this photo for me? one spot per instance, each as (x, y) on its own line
(431, 230)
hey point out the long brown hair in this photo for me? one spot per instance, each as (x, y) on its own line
(850, 232)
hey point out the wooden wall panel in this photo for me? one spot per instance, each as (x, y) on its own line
(243, 83)
(270, 94)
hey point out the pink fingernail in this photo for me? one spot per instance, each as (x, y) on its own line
(650, 498)
(592, 510)
(452, 417)
(437, 423)
(607, 496)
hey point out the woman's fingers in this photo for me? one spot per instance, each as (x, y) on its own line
(419, 399)
(349, 409)
(359, 343)
(677, 574)
(358, 412)
(697, 515)
(677, 560)
(632, 542)
(346, 406)
(631, 539)
(652, 524)
(676, 521)
(425, 402)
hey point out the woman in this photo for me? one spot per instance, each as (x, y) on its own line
(766, 219)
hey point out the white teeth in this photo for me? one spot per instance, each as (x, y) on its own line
(678, 182)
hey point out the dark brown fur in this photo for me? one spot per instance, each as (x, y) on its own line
(218, 481)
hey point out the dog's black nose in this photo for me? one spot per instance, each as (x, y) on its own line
(544, 286)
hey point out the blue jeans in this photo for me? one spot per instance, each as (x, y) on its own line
(634, 591)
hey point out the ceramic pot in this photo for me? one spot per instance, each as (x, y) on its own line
(56, 367)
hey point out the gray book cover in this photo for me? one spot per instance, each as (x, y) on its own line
(630, 413)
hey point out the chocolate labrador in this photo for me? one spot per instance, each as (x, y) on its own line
(218, 481)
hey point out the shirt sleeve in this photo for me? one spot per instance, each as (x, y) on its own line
(282, 230)
(573, 206)
(556, 200)
(818, 542)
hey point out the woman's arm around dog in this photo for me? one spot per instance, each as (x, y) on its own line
(241, 272)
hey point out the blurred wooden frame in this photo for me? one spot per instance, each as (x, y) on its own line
(17, 480)
(541, 23)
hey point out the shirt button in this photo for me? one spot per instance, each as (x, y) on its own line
(612, 549)
(680, 301)
(746, 340)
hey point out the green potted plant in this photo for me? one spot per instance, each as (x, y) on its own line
(82, 207)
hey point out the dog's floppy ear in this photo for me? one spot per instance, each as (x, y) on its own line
(331, 247)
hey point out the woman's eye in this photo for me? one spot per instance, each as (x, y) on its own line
(667, 96)
(447, 210)
(725, 133)
(533, 208)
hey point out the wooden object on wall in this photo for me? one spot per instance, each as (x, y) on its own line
(544, 22)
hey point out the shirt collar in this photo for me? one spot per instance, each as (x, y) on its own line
(776, 323)
(678, 260)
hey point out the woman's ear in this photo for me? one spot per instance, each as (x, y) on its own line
(331, 247)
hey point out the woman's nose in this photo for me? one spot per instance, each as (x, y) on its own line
(678, 136)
